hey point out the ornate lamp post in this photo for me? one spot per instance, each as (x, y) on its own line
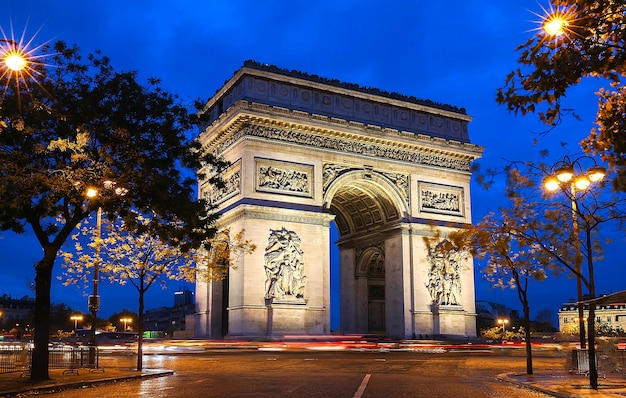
(569, 176)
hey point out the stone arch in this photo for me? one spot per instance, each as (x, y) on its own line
(369, 209)
(301, 158)
(364, 199)
(371, 266)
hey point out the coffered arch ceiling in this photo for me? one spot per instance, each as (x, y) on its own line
(360, 207)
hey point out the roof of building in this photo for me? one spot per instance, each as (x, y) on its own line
(350, 86)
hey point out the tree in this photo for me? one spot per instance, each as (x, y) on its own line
(564, 234)
(142, 259)
(537, 234)
(589, 45)
(511, 260)
(81, 124)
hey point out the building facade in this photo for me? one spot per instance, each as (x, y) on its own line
(170, 319)
(608, 317)
(391, 172)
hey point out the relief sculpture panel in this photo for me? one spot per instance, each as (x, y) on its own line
(284, 177)
(444, 279)
(441, 199)
(284, 267)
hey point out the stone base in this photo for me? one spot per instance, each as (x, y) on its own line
(445, 320)
(277, 319)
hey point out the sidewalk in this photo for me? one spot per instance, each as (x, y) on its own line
(12, 384)
(575, 386)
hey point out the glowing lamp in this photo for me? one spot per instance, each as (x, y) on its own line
(596, 173)
(551, 183)
(564, 173)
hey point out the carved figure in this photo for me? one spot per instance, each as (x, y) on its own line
(444, 282)
(284, 268)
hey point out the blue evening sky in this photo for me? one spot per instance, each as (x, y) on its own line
(454, 52)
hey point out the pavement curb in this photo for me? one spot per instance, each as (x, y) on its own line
(84, 383)
(505, 377)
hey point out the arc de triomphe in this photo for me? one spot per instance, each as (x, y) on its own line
(388, 170)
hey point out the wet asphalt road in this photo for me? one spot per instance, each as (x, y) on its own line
(324, 374)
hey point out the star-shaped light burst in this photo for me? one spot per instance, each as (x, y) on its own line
(18, 62)
(556, 23)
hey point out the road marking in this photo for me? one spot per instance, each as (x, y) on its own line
(361, 390)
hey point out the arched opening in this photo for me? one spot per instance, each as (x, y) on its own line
(367, 215)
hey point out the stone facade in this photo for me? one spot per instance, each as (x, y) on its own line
(387, 170)
(608, 317)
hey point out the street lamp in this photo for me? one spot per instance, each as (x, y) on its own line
(126, 321)
(562, 22)
(566, 174)
(14, 58)
(94, 299)
(503, 322)
(76, 318)
(93, 303)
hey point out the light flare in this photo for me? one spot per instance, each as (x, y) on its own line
(21, 61)
(555, 23)
(15, 61)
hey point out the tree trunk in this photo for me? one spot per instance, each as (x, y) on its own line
(43, 281)
(140, 330)
(529, 351)
(591, 335)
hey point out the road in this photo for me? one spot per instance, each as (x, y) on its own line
(306, 374)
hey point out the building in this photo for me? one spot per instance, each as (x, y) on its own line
(170, 319)
(608, 317)
(389, 171)
(13, 310)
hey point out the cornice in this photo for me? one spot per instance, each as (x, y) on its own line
(338, 134)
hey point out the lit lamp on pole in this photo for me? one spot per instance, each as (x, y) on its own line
(570, 177)
(126, 322)
(94, 299)
(76, 318)
(13, 58)
(503, 322)
(93, 303)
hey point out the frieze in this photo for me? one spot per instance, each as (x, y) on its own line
(344, 145)
(284, 177)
